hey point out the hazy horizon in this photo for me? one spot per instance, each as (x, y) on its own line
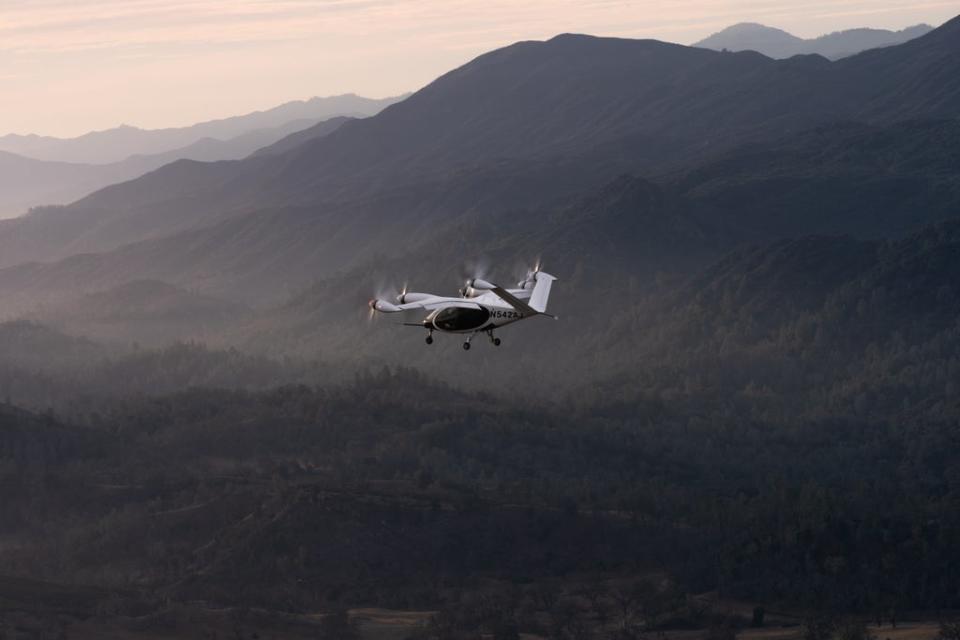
(154, 64)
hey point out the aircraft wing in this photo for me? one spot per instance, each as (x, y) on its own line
(443, 304)
(514, 301)
(431, 304)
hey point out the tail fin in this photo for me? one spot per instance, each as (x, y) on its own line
(541, 291)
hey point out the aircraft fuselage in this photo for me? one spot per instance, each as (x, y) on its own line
(456, 319)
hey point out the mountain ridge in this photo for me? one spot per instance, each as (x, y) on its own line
(430, 128)
(32, 183)
(777, 43)
(119, 143)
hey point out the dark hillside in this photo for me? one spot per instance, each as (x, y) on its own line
(918, 79)
(844, 178)
(866, 181)
(294, 140)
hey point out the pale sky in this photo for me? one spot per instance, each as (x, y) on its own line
(71, 66)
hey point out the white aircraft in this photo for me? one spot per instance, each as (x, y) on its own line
(481, 307)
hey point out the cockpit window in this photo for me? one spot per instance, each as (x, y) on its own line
(460, 319)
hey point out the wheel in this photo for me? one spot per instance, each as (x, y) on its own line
(496, 342)
(429, 340)
(466, 346)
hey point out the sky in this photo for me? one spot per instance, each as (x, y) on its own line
(72, 66)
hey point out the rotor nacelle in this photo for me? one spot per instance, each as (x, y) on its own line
(480, 285)
(407, 298)
(528, 283)
(383, 306)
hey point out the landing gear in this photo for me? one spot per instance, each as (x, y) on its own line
(466, 345)
(429, 340)
(495, 341)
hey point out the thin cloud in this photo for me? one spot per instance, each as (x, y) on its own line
(868, 11)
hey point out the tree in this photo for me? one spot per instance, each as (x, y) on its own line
(546, 596)
(949, 631)
(567, 622)
(593, 592)
(818, 627)
(628, 603)
(852, 629)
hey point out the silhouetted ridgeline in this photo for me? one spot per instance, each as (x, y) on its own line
(37, 171)
(120, 143)
(780, 44)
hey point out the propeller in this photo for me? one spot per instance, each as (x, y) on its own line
(402, 295)
(531, 272)
(535, 269)
(383, 293)
(472, 269)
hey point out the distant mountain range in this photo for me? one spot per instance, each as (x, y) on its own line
(115, 145)
(777, 43)
(37, 171)
(26, 183)
(625, 162)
